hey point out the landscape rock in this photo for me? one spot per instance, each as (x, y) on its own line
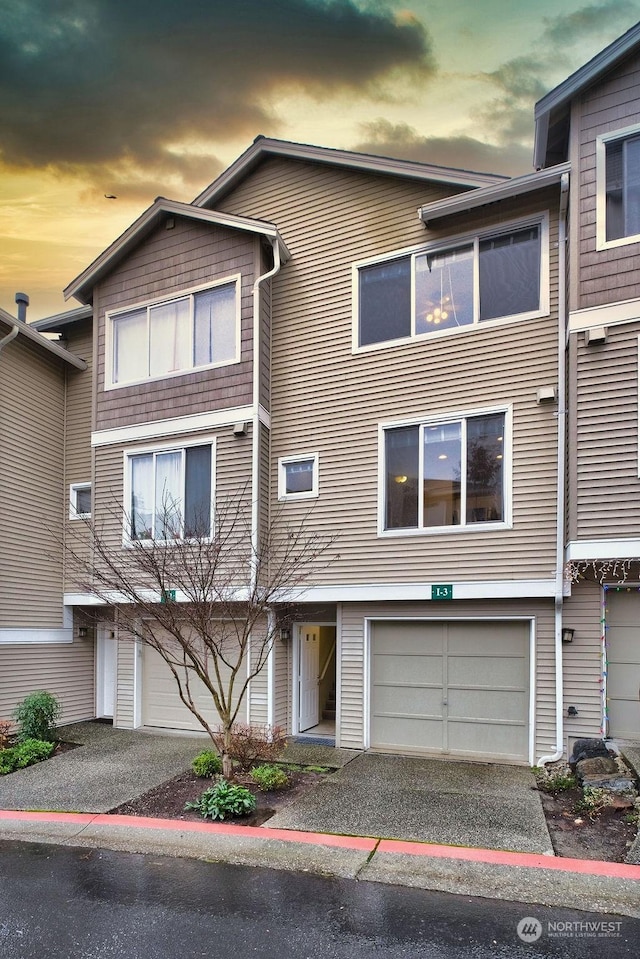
(599, 768)
(588, 749)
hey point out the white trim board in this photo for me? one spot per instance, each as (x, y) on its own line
(34, 637)
(594, 549)
(172, 427)
(609, 314)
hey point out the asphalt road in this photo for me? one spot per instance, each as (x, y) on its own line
(60, 902)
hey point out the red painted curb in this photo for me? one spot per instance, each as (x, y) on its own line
(233, 829)
(596, 867)
(593, 867)
(81, 818)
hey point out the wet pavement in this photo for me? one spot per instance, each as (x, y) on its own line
(70, 903)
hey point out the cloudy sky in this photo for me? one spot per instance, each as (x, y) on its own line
(141, 98)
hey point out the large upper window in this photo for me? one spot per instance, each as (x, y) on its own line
(170, 493)
(486, 278)
(621, 188)
(445, 473)
(189, 332)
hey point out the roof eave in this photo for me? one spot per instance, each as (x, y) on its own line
(48, 345)
(561, 95)
(518, 186)
(358, 161)
(82, 286)
(61, 321)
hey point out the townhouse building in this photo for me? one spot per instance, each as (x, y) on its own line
(437, 367)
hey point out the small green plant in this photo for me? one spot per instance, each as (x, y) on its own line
(224, 800)
(269, 777)
(37, 715)
(207, 764)
(24, 754)
(555, 781)
(593, 801)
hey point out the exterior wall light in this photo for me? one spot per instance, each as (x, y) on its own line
(567, 634)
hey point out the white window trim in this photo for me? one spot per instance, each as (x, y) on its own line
(128, 454)
(459, 239)
(73, 501)
(313, 493)
(601, 188)
(146, 304)
(434, 420)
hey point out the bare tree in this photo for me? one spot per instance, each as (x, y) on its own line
(204, 603)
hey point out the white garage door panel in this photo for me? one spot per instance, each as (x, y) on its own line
(161, 703)
(417, 733)
(456, 688)
(482, 741)
(623, 664)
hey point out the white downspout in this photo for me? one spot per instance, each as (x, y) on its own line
(255, 450)
(562, 439)
(10, 336)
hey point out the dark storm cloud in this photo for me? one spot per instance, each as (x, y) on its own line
(463, 152)
(522, 81)
(98, 82)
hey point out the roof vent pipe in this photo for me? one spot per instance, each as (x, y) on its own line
(23, 302)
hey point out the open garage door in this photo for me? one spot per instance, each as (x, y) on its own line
(458, 688)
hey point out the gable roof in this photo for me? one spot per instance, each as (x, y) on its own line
(82, 286)
(32, 335)
(263, 147)
(552, 111)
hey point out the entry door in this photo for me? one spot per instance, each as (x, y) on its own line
(308, 672)
(106, 675)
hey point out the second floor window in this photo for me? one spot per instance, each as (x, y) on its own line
(486, 278)
(622, 172)
(445, 473)
(185, 333)
(170, 494)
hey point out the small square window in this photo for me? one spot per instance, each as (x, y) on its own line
(80, 501)
(298, 477)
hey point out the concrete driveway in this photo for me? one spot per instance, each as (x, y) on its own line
(428, 800)
(113, 766)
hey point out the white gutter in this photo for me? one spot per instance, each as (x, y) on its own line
(10, 336)
(561, 483)
(255, 428)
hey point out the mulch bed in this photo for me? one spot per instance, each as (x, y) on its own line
(575, 835)
(167, 801)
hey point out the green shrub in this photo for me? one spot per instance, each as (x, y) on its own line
(594, 800)
(269, 777)
(24, 754)
(37, 714)
(207, 764)
(224, 800)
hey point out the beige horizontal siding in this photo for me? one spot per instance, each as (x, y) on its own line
(352, 657)
(77, 441)
(604, 432)
(31, 486)
(124, 716)
(167, 262)
(325, 398)
(65, 669)
(582, 661)
(606, 275)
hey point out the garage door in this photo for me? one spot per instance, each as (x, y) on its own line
(623, 664)
(161, 703)
(456, 688)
